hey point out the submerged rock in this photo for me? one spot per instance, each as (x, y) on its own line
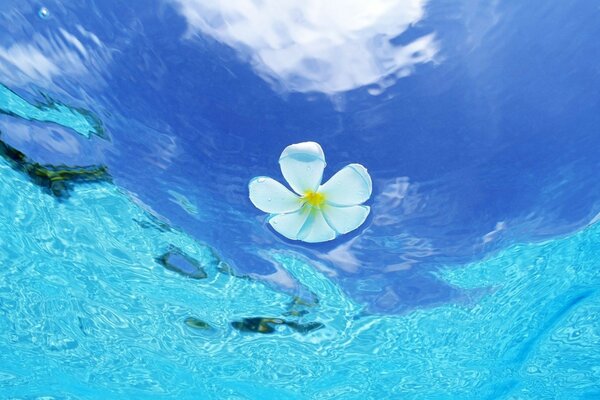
(267, 325)
(58, 179)
(178, 261)
(196, 323)
(257, 324)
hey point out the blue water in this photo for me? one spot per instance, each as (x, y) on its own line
(88, 313)
(475, 276)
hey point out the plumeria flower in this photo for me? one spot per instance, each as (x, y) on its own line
(315, 212)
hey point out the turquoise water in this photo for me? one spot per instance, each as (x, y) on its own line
(81, 121)
(86, 311)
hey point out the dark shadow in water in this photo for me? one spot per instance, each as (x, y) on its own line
(56, 179)
(269, 325)
(177, 260)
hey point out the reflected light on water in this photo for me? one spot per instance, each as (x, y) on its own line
(314, 46)
(52, 55)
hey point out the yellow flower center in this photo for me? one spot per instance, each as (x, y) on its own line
(315, 199)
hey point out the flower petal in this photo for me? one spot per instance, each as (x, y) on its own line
(272, 197)
(316, 229)
(345, 219)
(350, 186)
(290, 224)
(302, 165)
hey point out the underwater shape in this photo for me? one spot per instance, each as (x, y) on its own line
(315, 213)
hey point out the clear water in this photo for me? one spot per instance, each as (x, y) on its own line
(476, 275)
(87, 312)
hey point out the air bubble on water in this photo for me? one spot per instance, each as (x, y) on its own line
(269, 199)
(260, 180)
(44, 13)
(376, 90)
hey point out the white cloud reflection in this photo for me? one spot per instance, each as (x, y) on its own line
(317, 46)
(44, 58)
(491, 235)
(343, 257)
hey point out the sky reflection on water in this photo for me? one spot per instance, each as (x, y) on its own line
(490, 137)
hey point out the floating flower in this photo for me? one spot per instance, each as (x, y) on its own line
(315, 213)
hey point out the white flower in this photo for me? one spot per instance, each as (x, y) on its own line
(315, 213)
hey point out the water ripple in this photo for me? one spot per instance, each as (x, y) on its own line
(83, 297)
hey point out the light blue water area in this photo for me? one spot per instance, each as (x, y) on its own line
(79, 120)
(87, 312)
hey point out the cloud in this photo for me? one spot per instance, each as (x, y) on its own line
(344, 257)
(313, 45)
(28, 60)
(44, 58)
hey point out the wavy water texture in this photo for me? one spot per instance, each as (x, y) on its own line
(492, 146)
(86, 311)
(43, 57)
(311, 46)
(81, 121)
